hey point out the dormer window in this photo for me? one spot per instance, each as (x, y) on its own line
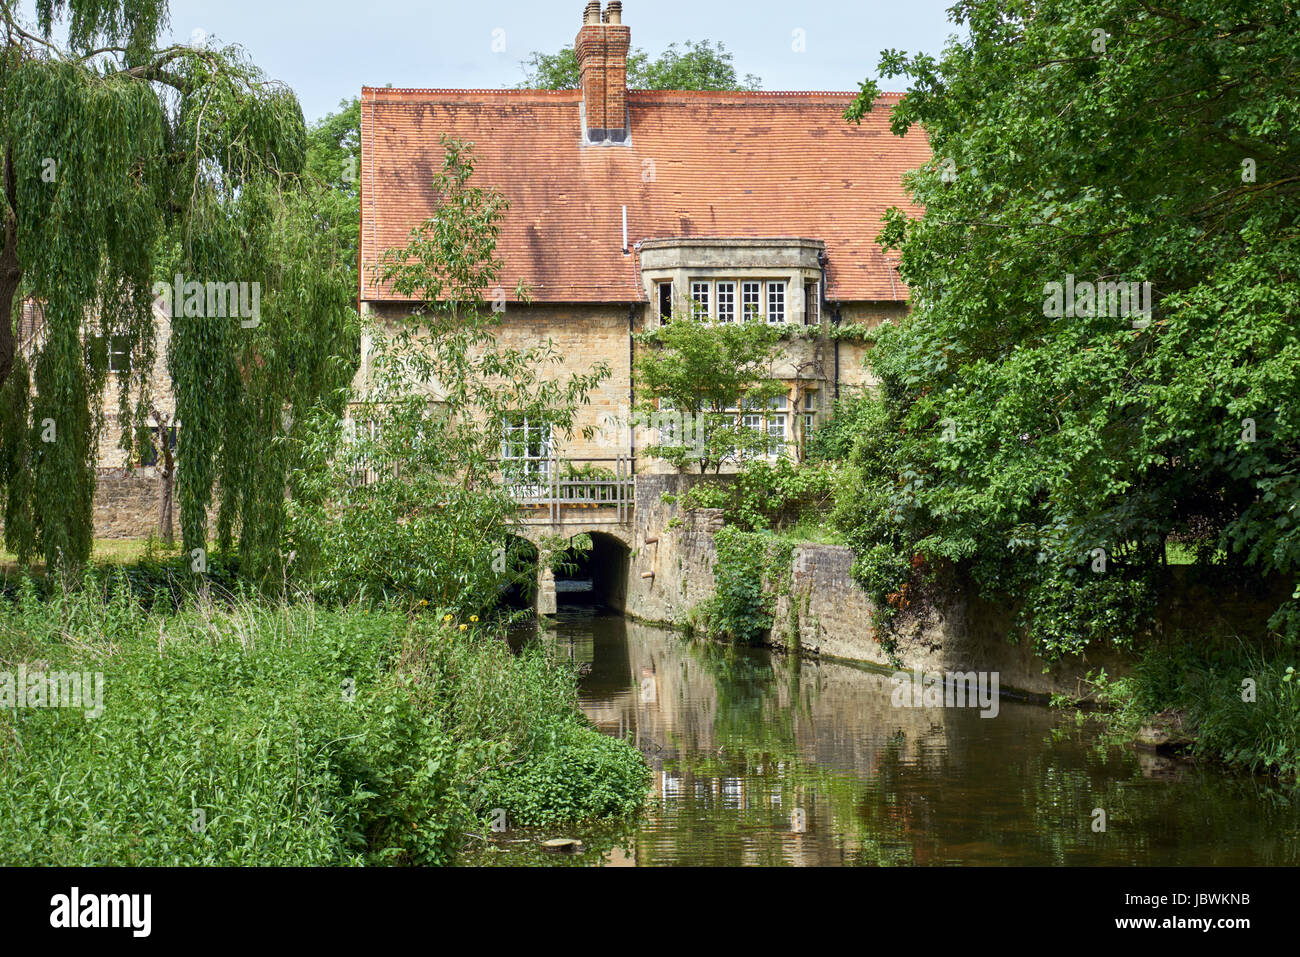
(776, 302)
(751, 299)
(700, 298)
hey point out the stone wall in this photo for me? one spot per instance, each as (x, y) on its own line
(673, 553)
(825, 612)
(821, 610)
(126, 504)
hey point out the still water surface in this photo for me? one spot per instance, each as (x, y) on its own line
(761, 758)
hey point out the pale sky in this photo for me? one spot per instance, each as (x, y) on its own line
(328, 49)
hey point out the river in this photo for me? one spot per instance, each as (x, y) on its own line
(761, 758)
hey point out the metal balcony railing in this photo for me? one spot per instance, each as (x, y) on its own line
(565, 486)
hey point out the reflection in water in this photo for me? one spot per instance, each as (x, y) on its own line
(762, 759)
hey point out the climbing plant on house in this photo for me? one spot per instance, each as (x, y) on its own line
(408, 502)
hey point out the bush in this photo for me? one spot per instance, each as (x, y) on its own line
(304, 736)
(750, 570)
(1205, 683)
(768, 495)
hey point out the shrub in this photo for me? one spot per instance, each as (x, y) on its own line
(305, 736)
(750, 570)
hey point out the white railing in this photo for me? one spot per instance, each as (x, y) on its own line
(565, 486)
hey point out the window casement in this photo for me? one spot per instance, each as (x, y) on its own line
(776, 302)
(149, 450)
(751, 299)
(526, 446)
(812, 303)
(700, 300)
(809, 412)
(776, 419)
(768, 419)
(119, 354)
(666, 422)
(664, 297)
(726, 301)
(114, 350)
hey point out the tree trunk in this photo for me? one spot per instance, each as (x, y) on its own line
(166, 478)
(10, 273)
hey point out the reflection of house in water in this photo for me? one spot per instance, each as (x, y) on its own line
(774, 752)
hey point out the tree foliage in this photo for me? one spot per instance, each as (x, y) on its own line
(693, 380)
(1049, 456)
(126, 164)
(697, 65)
(412, 504)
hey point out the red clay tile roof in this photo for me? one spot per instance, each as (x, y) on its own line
(724, 164)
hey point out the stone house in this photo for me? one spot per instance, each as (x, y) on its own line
(629, 205)
(127, 494)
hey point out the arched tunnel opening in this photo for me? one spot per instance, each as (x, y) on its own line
(519, 562)
(593, 572)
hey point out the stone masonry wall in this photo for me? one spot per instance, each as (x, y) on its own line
(822, 610)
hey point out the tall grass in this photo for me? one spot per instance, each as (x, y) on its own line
(1241, 703)
(251, 733)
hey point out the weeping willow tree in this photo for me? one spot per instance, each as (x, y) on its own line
(126, 168)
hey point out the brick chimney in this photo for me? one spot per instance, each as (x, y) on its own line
(602, 48)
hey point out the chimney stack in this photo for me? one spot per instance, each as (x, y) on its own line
(602, 47)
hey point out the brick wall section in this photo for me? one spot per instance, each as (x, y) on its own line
(584, 335)
(126, 504)
(590, 48)
(618, 40)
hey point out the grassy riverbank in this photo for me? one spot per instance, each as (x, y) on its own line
(291, 734)
(1226, 702)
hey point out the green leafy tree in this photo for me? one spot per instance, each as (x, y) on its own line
(125, 164)
(695, 381)
(413, 505)
(1047, 453)
(334, 162)
(696, 65)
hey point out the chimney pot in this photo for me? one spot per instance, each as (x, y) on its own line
(614, 12)
(591, 16)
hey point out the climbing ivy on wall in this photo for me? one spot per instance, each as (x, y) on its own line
(751, 573)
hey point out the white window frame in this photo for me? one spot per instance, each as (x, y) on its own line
(809, 412)
(701, 299)
(751, 294)
(533, 465)
(725, 296)
(776, 302)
